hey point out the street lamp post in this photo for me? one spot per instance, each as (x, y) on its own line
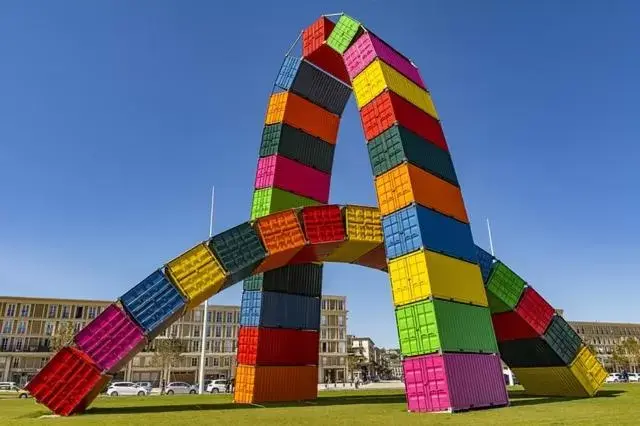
(206, 309)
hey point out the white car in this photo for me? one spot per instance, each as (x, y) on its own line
(634, 377)
(613, 378)
(180, 387)
(126, 388)
(217, 386)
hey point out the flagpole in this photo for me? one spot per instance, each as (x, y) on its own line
(490, 238)
(203, 342)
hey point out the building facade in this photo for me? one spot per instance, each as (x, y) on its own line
(28, 324)
(604, 336)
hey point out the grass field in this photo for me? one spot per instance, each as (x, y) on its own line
(616, 404)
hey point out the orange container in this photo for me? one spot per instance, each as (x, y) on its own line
(407, 183)
(289, 108)
(256, 384)
(282, 236)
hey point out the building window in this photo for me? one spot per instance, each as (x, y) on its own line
(194, 362)
(209, 316)
(48, 328)
(91, 312)
(216, 346)
(218, 331)
(340, 305)
(197, 316)
(324, 346)
(342, 347)
(226, 361)
(4, 343)
(65, 311)
(323, 320)
(228, 345)
(208, 331)
(7, 326)
(77, 326)
(196, 331)
(229, 317)
(218, 316)
(206, 361)
(22, 327)
(16, 361)
(52, 311)
(340, 320)
(11, 310)
(324, 304)
(229, 331)
(24, 311)
(18, 345)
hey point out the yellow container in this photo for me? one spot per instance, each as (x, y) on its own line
(364, 233)
(588, 370)
(550, 381)
(417, 276)
(245, 384)
(197, 274)
(378, 76)
(276, 108)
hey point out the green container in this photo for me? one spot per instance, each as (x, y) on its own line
(297, 145)
(397, 145)
(443, 326)
(343, 34)
(239, 250)
(504, 288)
(563, 339)
(303, 279)
(253, 283)
(271, 200)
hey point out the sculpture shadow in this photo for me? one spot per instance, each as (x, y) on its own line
(521, 398)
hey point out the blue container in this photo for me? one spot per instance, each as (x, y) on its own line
(485, 259)
(154, 303)
(279, 310)
(287, 72)
(415, 227)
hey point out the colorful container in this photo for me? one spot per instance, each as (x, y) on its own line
(68, 383)
(388, 109)
(364, 233)
(271, 200)
(442, 326)
(316, 50)
(256, 384)
(398, 145)
(378, 76)
(279, 310)
(551, 381)
(305, 280)
(293, 177)
(154, 303)
(504, 288)
(313, 84)
(273, 346)
(511, 326)
(282, 236)
(294, 110)
(376, 259)
(197, 274)
(454, 382)
(368, 47)
(324, 230)
(297, 145)
(416, 227)
(485, 260)
(111, 340)
(239, 251)
(407, 184)
(563, 339)
(588, 370)
(423, 274)
(534, 352)
(344, 33)
(534, 310)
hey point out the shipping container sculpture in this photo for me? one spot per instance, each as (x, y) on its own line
(458, 309)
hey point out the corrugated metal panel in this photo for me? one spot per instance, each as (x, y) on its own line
(287, 73)
(320, 88)
(549, 381)
(407, 184)
(272, 346)
(397, 145)
(197, 274)
(250, 308)
(376, 259)
(282, 235)
(344, 34)
(154, 303)
(293, 177)
(475, 381)
(563, 339)
(304, 279)
(485, 260)
(533, 309)
(588, 370)
(504, 288)
(239, 250)
(275, 383)
(324, 230)
(364, 233)
(511, 326)
(316, 51)
(534, 352)
(297, 145)
(272, 200)
(426, 384)
(422, 274)
(271, 309)
(111, 339)
(414, 227)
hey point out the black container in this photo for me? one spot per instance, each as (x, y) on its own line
(239, 250)
(563, 339)
(297, 145)
(536, 352)
(303, 279)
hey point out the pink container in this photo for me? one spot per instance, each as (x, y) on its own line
(368, 47)
(111, 339)
(294, 177)
(454, 382)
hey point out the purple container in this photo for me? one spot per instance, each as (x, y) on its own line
(368, 47)
(111, 339)
(454, 382)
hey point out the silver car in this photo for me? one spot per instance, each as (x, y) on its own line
(146, 386)
(180, 387)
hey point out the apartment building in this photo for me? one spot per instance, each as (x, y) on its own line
(28, 324)
(604, 336)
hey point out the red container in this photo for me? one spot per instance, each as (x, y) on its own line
(387, 109)
(277, 346)
(68, 383)
(324, 230)
(454, 382)
(511, 326)
(316, 50)
(536, 311)
(376, 259)
(284, 173)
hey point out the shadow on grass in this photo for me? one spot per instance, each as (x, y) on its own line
(521, 399)
(324, 401)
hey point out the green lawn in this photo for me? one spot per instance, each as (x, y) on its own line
(616, 404)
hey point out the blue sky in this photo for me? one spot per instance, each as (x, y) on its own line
(117, 117)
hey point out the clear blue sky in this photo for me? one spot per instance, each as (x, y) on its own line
(117, 117)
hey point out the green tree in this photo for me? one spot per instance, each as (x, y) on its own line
(626, 354)
(355, 360)
(167, 354)
(62, 335)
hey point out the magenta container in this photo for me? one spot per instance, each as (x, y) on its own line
(368, 47)
(294, 177)
(111, 339)
(454, 382)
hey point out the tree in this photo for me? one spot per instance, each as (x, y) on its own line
(167, 354)
(62, 336)
(626, 354)
(355, 359)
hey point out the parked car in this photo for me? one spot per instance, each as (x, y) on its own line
(613, 378)
(126, 388)
(217, 386)
(634, 377)
(146, 386)
(180, 388)
(12, 388)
